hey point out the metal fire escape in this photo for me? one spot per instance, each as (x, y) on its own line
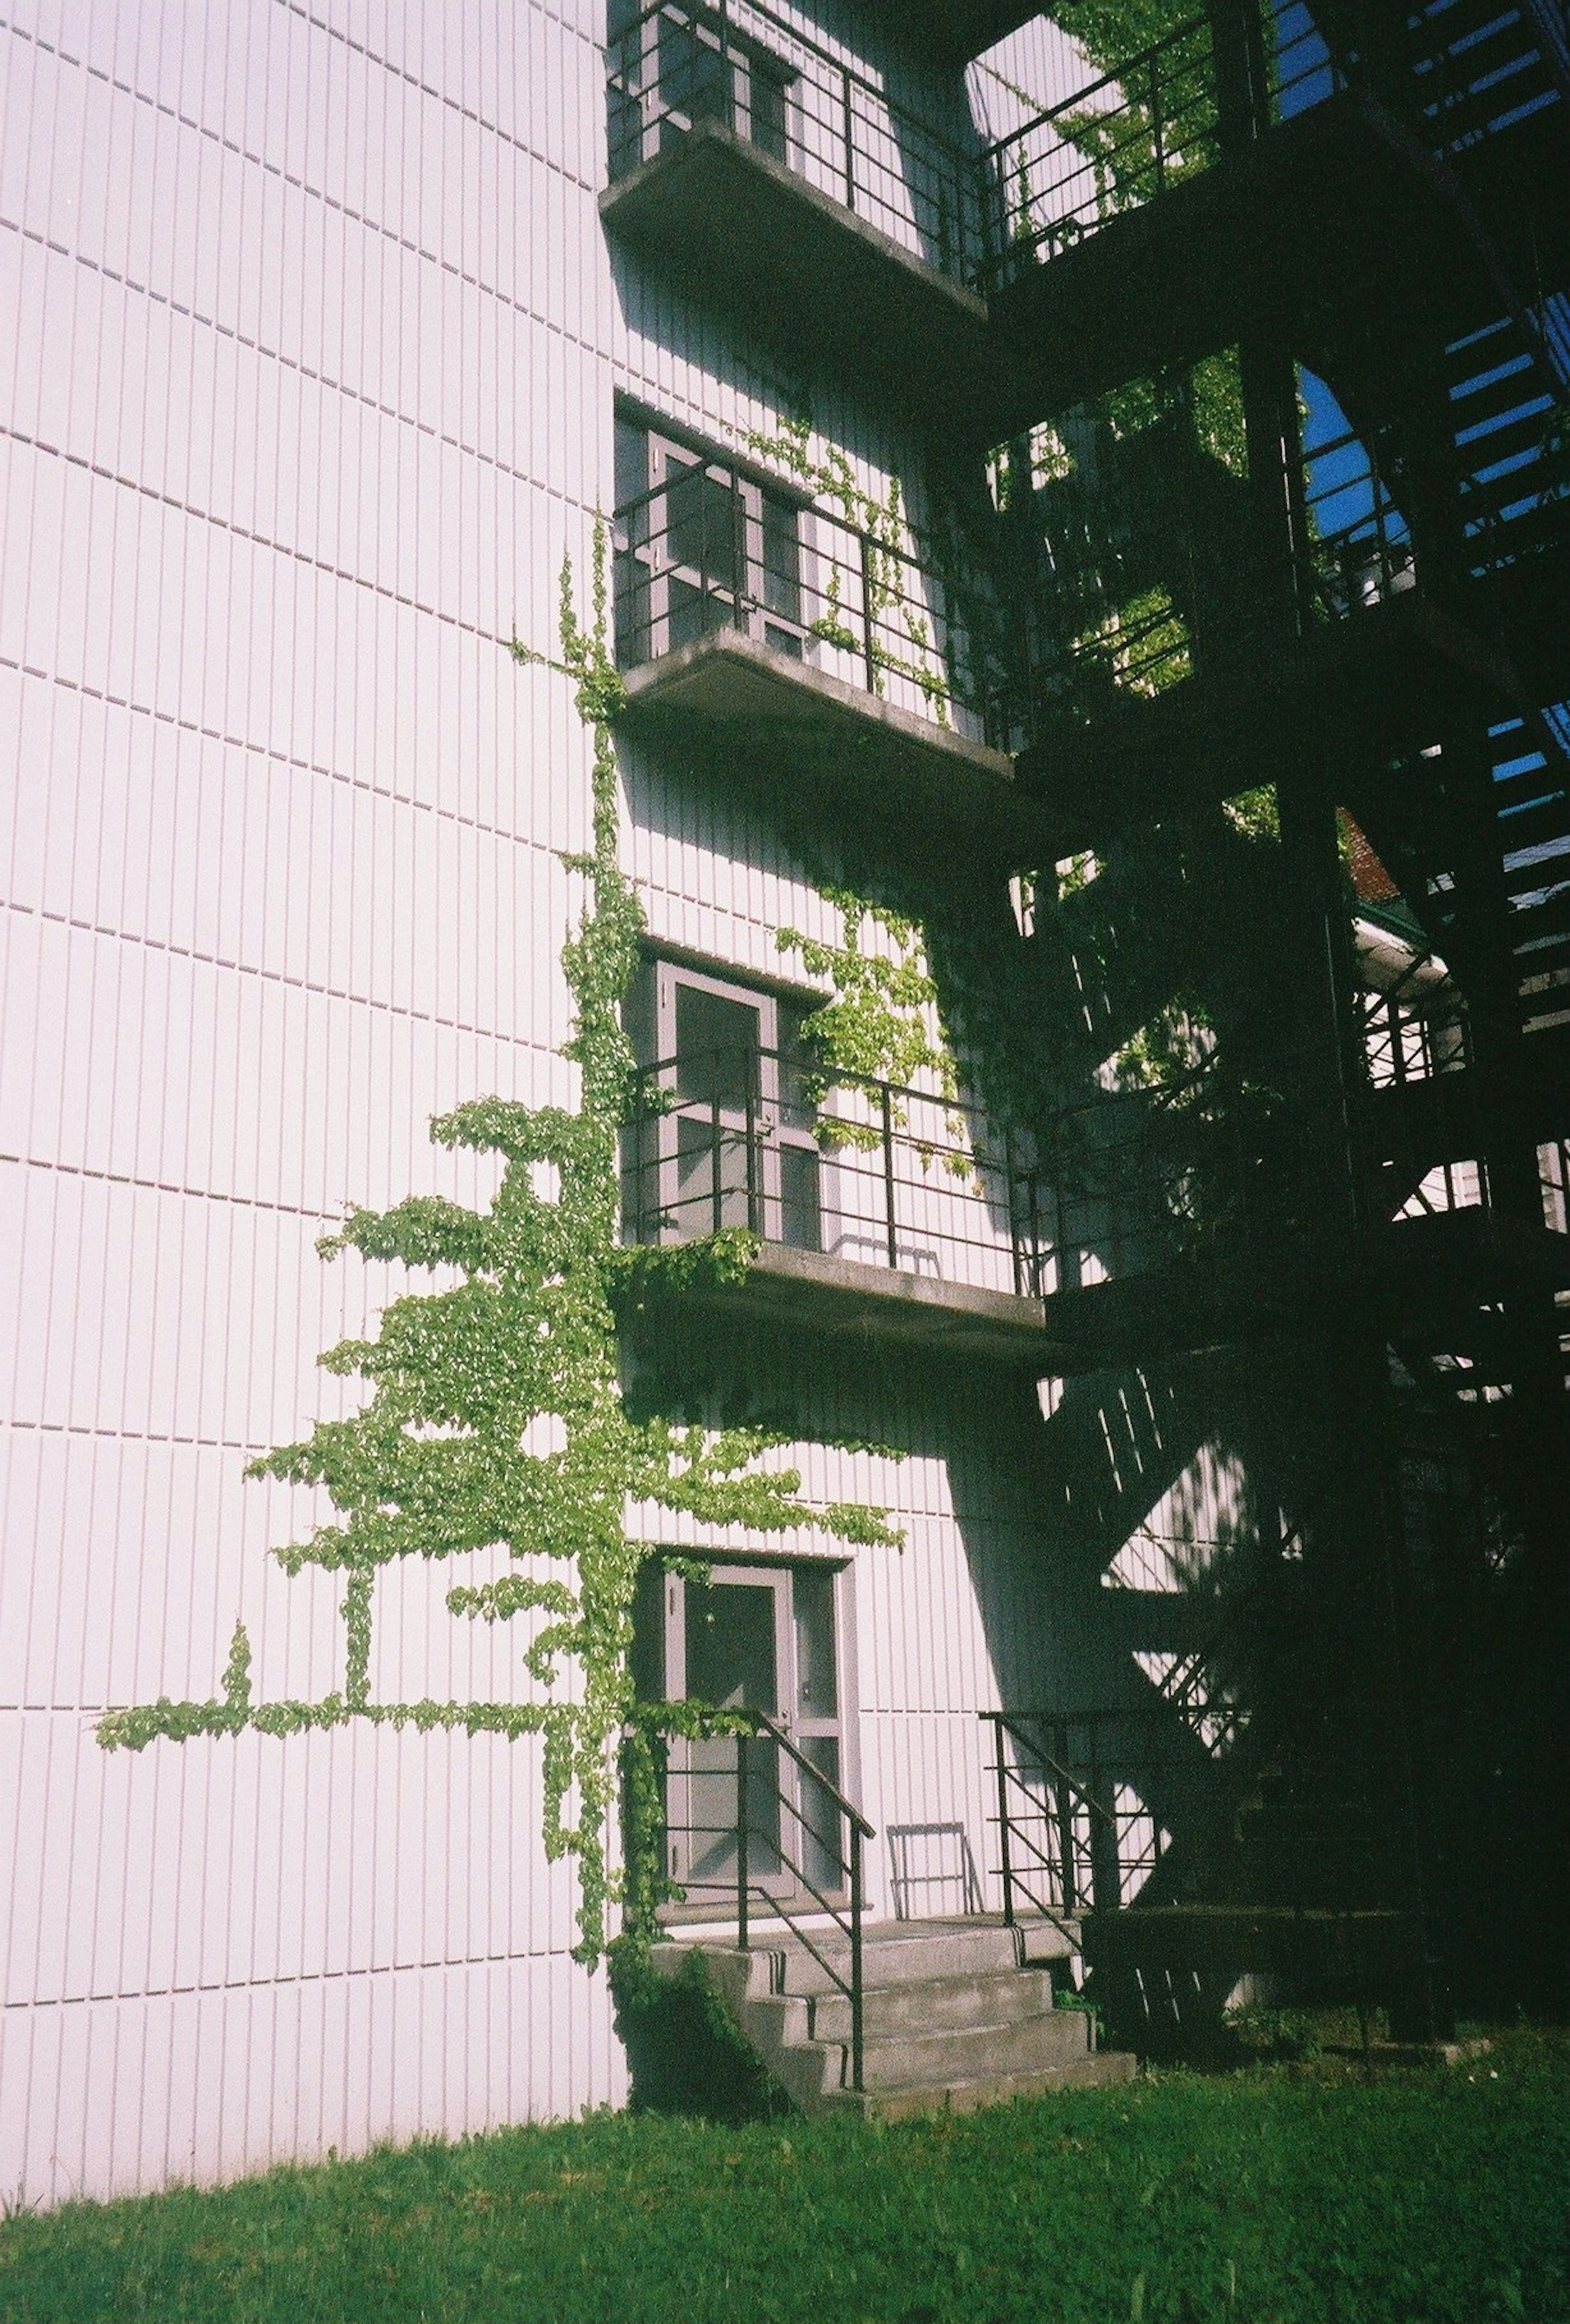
(1377, 195)
(1369, 198)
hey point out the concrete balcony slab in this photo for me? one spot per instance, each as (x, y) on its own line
(749, 236)
(775, 718)
(813, 1292)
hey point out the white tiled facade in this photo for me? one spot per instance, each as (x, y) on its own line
(312, 344)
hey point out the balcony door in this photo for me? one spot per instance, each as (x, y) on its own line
(735, 1132)
(752, 1638)
(701, 547)
(676, 67)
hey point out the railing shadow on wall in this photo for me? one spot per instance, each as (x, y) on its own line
(932, 1871)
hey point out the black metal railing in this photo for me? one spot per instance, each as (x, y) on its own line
(1416, 1026)
(856, 1167)
(713, 547)
(679, 65)
(1356, 554)
(1101, 1811)
(796, 1846)
(1053, 1829)
(1119, 141)
(1124, 140)
(1193, 1172)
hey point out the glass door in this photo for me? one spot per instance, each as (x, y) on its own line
(717, 1161)
(737, 1144)
(760, 1639)
(735, 1647)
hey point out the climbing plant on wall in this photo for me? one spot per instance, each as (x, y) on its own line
(495, 1420)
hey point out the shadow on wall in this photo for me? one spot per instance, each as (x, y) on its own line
(932, 1871)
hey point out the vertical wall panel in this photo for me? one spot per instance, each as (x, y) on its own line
(308, 392)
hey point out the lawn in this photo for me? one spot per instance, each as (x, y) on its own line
(1310, 2194)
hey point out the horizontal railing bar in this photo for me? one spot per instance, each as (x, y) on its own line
(731, 475)
(842, 68)
(1117, 78)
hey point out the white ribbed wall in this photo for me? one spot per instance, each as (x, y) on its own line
(307, 388)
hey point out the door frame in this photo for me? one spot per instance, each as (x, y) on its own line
(756, 1126)
(781, 1573)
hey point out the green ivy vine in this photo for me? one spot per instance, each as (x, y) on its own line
(828, 476)
(882, 1022)
(438, 1463)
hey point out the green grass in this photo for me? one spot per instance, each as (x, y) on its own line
(1307, 2194)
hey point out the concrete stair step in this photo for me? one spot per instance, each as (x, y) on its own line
(899, 2103)
(958, 2015)
(968, 2053)
(936, 2005)
(896, 1952)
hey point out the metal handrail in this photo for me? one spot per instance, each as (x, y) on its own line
(923, 1175)
(1011, 1837)
(846, 1909)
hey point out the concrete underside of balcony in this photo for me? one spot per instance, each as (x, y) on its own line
(744, 234)
(766, 720)
(1387, 678)
(948, 33)
(1305, 230)
(813, 1292)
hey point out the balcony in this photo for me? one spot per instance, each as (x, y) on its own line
(896, 1212)
(1148, 703)
(800, 650)
(777, 181)
(1154, 1223)
(1158, 213)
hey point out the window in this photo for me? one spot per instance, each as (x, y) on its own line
(752, 1639)
(674, 68)
(728, 1135)
(701, 546)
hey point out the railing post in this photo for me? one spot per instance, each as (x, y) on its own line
(850, 139)
(754, 1191)
(741, 1874)
(893, 1238)
(868, 651)
(855, 1959)
(1065, 1800)
(1006, 1852)
(1013, 1209)
(715, 1167)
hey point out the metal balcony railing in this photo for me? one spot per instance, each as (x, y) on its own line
(1091, 1803)
(1357, 555)
(1121, 141)
(1124, 1186)
(711, 548)
(856, 1167)
(676, 67)
(1128, 138)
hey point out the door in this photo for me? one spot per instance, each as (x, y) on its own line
(700, 547)
(737, 1143)
(761, 1639)
(735, 1647)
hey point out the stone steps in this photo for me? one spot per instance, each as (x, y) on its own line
(955, 2015)
(940, 2005)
